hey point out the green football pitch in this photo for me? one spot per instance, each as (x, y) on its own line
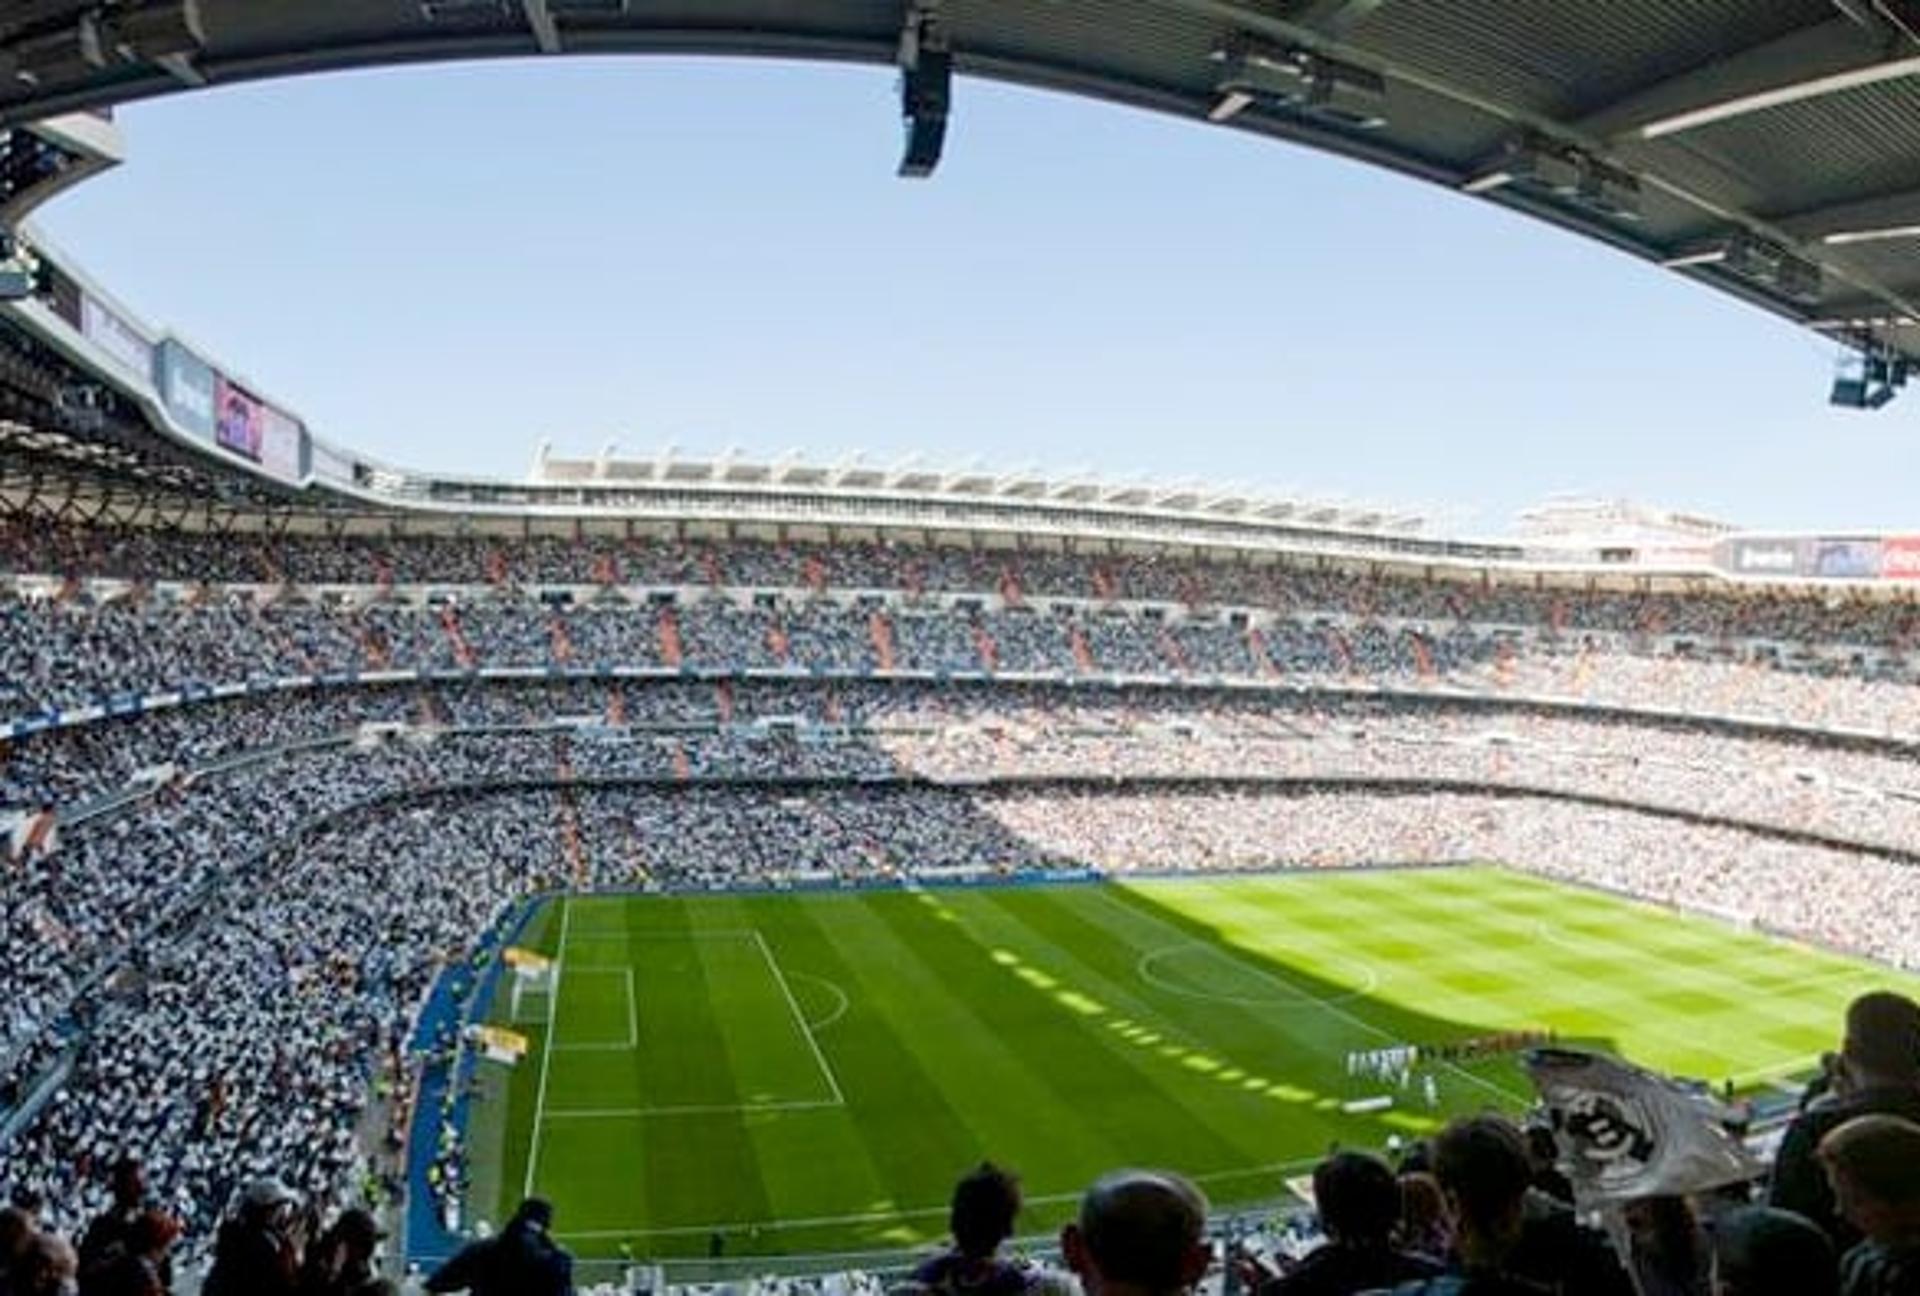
(806, 1073)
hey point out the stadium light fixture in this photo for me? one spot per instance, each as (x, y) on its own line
(1488, 181)
(1780, 96)
(1887, 235)
(926, 90)
(1297, 80)
(1231, 105)
(1707, 256)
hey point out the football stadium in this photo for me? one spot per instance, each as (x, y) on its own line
(721, 873)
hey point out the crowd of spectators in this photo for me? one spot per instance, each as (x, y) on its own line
(218, 961)
(150, 557)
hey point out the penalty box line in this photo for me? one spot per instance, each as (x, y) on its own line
(633, 1014)
(754, 934)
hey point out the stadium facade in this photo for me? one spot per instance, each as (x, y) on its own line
(261, 468)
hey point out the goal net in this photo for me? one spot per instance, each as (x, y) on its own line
(535, 978)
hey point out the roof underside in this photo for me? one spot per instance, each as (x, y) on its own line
(1738, 135)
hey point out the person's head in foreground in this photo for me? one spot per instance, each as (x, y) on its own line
(1882, 1048)
(1873, 1163)
(1761, 1251)
(48, 1268)
(1358, 1199)
(129, 1183)
(1484, 1171)
(535, 1215)
(1140, 1233)
(986, 1202)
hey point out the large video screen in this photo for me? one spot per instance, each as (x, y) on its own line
(239, 424)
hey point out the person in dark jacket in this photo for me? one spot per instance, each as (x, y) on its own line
(986, 1202)
(1874, 1164)
(111, 1234)
(1509, 1240)
(1358, 1201)
(1760, 1251)
(1878, 1073)
(522, 1261)
(256, 1253)
(139, 1267)
(340, 1263)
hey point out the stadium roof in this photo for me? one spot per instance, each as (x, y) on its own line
(1770, 148)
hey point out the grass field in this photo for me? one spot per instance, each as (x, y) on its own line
(807, 1073)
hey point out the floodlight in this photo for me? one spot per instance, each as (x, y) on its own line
(1886, 235)
(926, 97)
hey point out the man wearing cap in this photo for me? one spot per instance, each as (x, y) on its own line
(256, 1254)
(522, 1261)
(1878, 1074)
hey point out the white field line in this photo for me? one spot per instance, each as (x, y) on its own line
(666, 933)
(718, 1109)
(632, 1041)
(918, 1212)
(546, 1048)
(833, 988)
(1358, 1023)
(800, 1018)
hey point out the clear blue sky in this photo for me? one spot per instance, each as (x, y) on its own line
(444, 266)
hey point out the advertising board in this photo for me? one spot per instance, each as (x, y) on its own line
(280, 444)
(1900, 558)
(188, 387)
(1846, 559)
(1766, 557)
(115, 336)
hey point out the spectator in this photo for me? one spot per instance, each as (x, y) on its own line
(1878, 1073)
(521, 1261)
(1670, 1255)
(1763, 1251)
(1423, 1216)
(986, 1203)
(16, 1235)
(341, 1262)
(1509, 1241)
(1139, 1233)
(1873, 1163)
(1358, 1202)
(48, 1267)
(257, 1254)
(139, 1267)
(112, 1234)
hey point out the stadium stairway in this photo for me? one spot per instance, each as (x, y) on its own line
(880, 630)
(1262, 659)
(669, 635)
(1172, 653)
(561, 641)
(462, 650)
(1082, 651)
(984, 645)
(1422, 655)
(378, 656)
(1342, 650)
